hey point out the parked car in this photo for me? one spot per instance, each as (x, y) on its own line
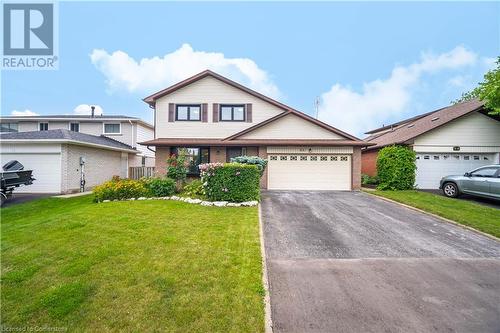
(483, 182)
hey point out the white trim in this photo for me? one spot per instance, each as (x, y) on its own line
(309, 150)
(449, 149)
(79, 143)
(95, 119)
(111, 123)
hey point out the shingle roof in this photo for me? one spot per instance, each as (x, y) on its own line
(63, 134)
(404, 131)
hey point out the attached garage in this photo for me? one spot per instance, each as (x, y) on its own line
(432, 166)
(55, 157)
(315, 168)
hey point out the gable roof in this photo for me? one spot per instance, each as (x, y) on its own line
(151, 100)
(408, 129)
(63, 135)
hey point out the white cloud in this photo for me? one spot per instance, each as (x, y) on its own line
(84, 109)
(148, 75)
(25, 113)
(381, 99)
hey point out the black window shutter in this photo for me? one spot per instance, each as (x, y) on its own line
(204, 112)
(249, 113)
(171, 112)
(215, 114)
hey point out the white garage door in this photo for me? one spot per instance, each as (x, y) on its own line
(309, 172)
(432, 167)
(46, 170)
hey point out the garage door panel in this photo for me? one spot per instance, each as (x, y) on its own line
(432, 167)
(46, 170)
(309, 172)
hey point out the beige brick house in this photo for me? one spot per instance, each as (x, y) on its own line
(215, 119)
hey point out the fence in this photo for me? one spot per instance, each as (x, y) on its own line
(142, 171)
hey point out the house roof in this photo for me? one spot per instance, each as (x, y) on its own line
(197, 142)
(151, 100)
(408, 129)
(63, 135)
(76, 117)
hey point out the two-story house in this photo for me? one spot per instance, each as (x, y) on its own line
(64, 149)
(215, 118)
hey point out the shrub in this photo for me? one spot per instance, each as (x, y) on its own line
(160, 187)
(177, 166)
(396, 168)
(233, 182)
(369, 180)
(194, 189)
(254, 160)
(120, 189)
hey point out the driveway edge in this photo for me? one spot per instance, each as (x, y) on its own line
(268, 322)
(434, 215)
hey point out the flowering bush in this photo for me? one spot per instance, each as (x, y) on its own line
(177, 166)
(120, 189)
(194, 189)
(233, 182)
(255, 160)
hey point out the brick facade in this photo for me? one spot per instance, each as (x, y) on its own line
(369, 162)
(100, 166)
(356, 168)
(162, 153)
(263, 154)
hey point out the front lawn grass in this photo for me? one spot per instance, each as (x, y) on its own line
(485, 219)
(142, 266)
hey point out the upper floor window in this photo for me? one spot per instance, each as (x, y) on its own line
(232, 112)
(188, 112)
(8, 127)
(43, 126)
(75, 127)
(112, 129)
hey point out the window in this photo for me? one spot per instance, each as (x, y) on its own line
(188, 112)
(343, 158)
(485, 172)
(313, 158)
(283, 158)
(303, 158)
(143, 160)
(334, 158)
(194, 157)
(476, 158)
(43, 126)
(273, 158)
(232, 113)
(8, 127)
(466, 158)
(112, 129)
(436, 157)
(75, 127)
(323, 158)
(426, 157)
(293, 158)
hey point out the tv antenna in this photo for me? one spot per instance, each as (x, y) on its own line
(316, 106)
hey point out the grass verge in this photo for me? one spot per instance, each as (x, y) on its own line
(485, 219)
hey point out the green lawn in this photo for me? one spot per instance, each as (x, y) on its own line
(471, 214)
(139, 266)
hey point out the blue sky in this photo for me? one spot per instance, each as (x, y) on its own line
(369, 63)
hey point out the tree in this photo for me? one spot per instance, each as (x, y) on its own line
(487, 91)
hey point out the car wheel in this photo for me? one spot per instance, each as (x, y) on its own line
(450, 190)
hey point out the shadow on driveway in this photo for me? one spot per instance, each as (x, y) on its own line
(25, 197)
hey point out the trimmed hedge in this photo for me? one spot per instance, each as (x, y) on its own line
(254, 160)
(232, 182)
(396, 168)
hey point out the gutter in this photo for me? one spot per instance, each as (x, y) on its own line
(74, 142)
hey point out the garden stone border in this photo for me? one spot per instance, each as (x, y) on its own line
(194, 201)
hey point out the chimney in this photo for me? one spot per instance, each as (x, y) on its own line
(92, 108)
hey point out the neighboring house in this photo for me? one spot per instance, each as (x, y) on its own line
(215, 119)
(128, 130)
(451, 140)
(56, 155)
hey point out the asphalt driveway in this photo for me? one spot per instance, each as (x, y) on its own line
(350, 262)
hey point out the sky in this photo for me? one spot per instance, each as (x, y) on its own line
(367, 64)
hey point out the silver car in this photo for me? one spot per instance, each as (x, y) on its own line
(482, 182)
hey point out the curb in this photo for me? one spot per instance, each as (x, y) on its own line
(444, 219)
(268, 322)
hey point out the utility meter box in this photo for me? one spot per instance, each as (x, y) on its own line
(82, 160)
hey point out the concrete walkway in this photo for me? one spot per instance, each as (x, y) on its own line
(349, 262)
